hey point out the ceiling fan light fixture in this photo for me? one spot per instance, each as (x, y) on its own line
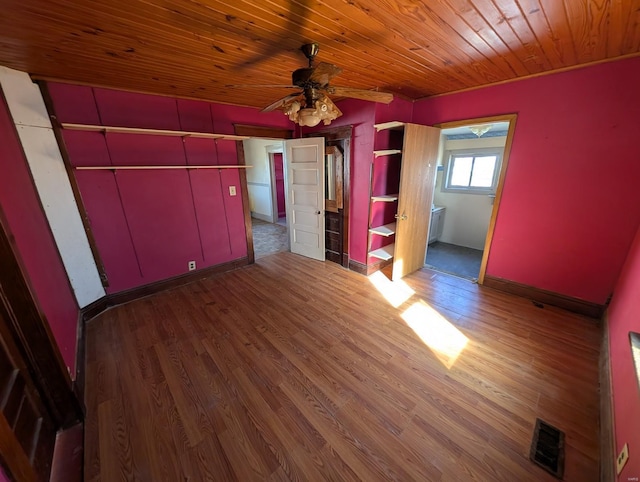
(309, 117)
(323, 110)
(481, 129)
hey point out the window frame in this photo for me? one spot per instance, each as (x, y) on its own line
(479, 152)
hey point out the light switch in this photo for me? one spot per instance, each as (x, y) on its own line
(232, 190)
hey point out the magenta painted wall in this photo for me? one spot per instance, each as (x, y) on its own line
(149, 224)
(571, 202)
(624, 316)
(26, 221)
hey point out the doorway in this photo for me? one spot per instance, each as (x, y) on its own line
(471, 166)
(266, 193)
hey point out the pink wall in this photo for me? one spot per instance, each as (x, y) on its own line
(624, 316)
(571, 203)
(149, 224)
(25, 220)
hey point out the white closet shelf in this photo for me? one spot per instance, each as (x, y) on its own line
(393, 125)
(384, 253)
(385, 198)
(386, 230)
(123, 168)
(152, 132)
(387, 152)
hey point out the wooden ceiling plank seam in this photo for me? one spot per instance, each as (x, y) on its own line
(560, 29)
(599, 11)
(500, 23)
(631, 43)
(512, 12)
(615, 35)
(539, 23)
(484, 29)
(578, 29)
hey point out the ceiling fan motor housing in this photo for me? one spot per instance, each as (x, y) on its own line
(302, 77)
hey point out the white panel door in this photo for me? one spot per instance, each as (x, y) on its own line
(304, 162)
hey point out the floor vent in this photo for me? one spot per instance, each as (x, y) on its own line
(547, 448)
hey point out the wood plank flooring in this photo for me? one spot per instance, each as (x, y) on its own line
(292, 369)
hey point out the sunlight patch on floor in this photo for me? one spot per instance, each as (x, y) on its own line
(395, 292)
(443, 338)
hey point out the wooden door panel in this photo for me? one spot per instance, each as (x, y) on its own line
(26, 427)
(304, 160)
(419, 160)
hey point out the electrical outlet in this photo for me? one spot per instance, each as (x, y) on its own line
(192, 265)
(232, 190)
(622, 458)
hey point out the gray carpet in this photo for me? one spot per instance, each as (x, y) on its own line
(453, 259)
(268, 238)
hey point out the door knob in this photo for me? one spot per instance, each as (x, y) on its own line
(402, 217)
(318, 212)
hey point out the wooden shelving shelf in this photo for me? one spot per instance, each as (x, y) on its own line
(125, 168)
(151, 132)
(385, 198)
(386, 230)
(385, 253)
(394, 125)
(387, 152)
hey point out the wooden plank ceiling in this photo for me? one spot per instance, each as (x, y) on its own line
(196, 48)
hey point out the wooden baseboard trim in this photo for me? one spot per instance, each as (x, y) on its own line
(367, 269)
(569, 303)
(183, 279)
(607, 434)
(357, 267)
(94, 309)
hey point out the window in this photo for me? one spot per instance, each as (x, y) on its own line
(472, 172)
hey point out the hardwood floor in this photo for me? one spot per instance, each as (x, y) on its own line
(292, 369)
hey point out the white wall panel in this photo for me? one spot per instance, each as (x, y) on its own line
(52, 183)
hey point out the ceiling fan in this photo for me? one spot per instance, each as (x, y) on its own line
(311, 104)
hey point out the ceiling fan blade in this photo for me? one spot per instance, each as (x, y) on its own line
(371, 95)
(275, 86)
(324, 72)
(281, 102)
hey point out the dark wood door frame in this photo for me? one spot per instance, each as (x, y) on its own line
(260, 132)
(341, 137)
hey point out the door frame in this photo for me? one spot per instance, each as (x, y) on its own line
(511, 118)
(259, 132)
(341, 136)
(271, 150)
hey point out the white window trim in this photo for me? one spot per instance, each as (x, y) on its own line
(491, 151)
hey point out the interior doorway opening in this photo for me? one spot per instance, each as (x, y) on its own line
(471, 168)
(266, 192)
